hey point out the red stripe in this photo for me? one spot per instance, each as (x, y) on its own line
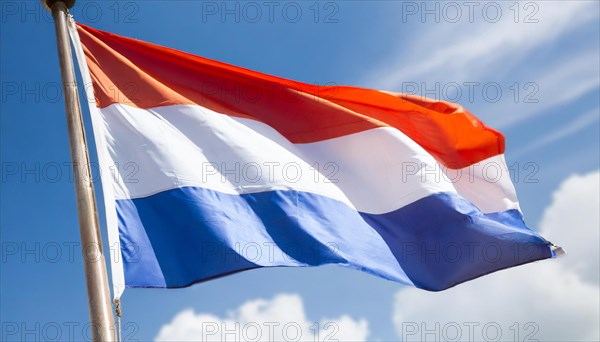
(145, 75)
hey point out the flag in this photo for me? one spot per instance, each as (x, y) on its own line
(210, 169)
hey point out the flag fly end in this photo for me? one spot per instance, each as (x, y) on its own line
(558, 252)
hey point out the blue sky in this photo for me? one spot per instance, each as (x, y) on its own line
(533, 68)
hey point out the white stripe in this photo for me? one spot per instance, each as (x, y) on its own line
(382, 170)
(486, 184)
(374, 171)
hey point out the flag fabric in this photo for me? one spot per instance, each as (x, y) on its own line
(210, 169)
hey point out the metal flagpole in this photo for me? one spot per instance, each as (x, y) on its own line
(101, 317)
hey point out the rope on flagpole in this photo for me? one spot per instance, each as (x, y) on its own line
(118, 313)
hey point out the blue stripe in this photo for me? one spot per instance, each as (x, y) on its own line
(182, 236)
(443, 240)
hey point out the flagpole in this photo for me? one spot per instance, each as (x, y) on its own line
(100, 310)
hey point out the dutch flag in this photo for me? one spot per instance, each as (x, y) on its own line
(210, 169)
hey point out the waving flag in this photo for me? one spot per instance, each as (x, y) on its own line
(211, 169)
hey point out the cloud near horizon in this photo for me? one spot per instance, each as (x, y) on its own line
(279, 319)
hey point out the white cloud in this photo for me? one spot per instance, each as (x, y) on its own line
(280, 319)
(573, 219)
(562, 83)
(553, 300)
(465, 50)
